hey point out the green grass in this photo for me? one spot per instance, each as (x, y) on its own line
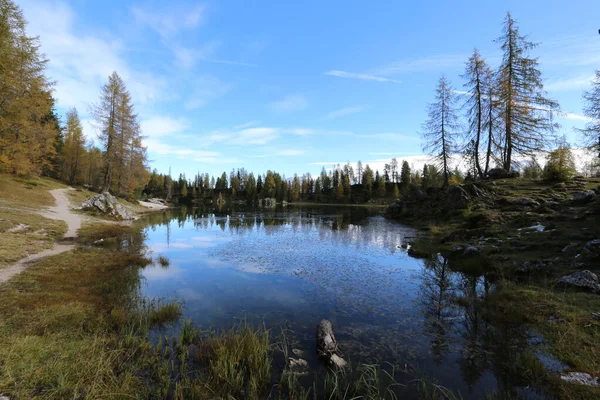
(22, 229)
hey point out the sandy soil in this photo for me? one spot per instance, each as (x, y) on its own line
(61, 211)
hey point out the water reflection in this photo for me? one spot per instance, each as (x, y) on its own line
(296, 267)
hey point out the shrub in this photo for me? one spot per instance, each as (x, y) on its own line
(560, 165)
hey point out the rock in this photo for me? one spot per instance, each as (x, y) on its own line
(551, 204)
(584, 197)
(298, 353)
(523, 201)
(17, 228)
(458, 198)
(560, 185)
(580, 378)
(458, 249)
(471, 250)
(108, 205)
(569, 247)
(531, 266)
(327, 347)
(592, 247)
(501, 173)
(269, 202)
(596, 316)
(582, 279)
(593, 244)
(298, 366)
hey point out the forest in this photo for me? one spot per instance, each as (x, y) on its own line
(501, 120)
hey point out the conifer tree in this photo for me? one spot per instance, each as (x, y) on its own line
(477, 75)
(526, 112)
(74, 147)
(440, 130)
(592, 110)
(405, 175)
(381, 189)
(27, 131)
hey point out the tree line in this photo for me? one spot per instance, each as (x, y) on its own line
(507, 111)
(339, 184)
(34, 140)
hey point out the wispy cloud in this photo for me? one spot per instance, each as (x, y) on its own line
(169, 21)
(575, 117)
(246, 125)
(205, 89)
(342, 112)
(570, 84)
(81, 63)
(159, 126)
(290, 103)
(436, 62)
(364, 77)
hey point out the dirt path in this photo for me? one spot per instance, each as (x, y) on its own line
(62, 212)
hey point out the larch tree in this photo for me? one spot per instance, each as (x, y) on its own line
(477, 79)
(74, 147)
(125, 157)
(526, 112)
(440, 130)
(105, 113)
(591, 110)
(27, 134)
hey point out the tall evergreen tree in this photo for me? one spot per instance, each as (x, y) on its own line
(525, 110)
(405, 175)
(27, 134)
(74, 147)
(440, 130)
(592, 110)
(476, 74)
(105, 113)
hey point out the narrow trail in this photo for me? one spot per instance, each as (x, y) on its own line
(62, 212)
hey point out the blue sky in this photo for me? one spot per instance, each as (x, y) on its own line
(292, 86)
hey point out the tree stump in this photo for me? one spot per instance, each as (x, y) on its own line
(327, 347)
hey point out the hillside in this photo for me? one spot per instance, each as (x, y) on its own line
(534, 241)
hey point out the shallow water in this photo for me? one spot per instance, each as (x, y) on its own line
(291, 268)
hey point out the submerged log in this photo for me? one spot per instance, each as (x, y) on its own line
(327, 347)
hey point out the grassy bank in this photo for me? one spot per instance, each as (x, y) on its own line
(24, 231)
(76, 326)
(523, 250)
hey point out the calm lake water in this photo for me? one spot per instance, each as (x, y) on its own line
(292, 267)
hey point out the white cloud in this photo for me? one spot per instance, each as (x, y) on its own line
(159, 126)
(437, 63)
(364, 77)
(343, 112)
(301, 131)
(290, 103)
(570, 84)
(246, 125)
(81, 63)
(575, 117)
(169, 21)
(205, 89)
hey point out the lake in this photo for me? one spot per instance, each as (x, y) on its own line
(288, 268)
